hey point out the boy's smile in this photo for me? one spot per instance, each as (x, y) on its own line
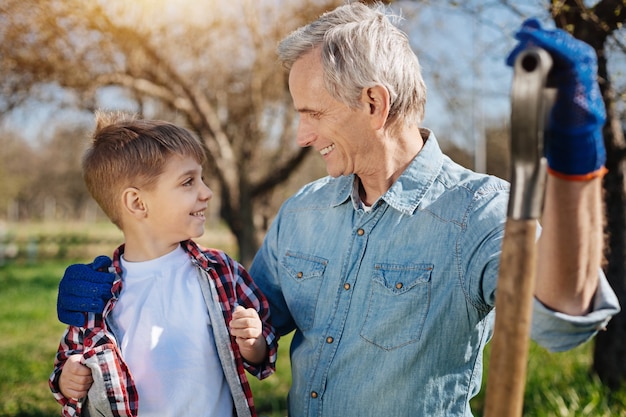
(173, 208)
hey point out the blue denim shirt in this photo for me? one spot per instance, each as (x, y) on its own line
(392, 308)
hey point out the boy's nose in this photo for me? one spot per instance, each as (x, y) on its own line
(207, 193)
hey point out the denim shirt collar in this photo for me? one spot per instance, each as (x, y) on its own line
(407, 192)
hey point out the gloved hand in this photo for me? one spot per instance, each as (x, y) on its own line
(574, 145)
(84, 288)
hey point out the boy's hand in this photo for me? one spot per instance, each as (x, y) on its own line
(247, 328)
(75, 379)
(84, 289)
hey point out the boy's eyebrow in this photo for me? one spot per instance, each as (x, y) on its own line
(190, 172)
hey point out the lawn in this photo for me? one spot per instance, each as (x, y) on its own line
(558, 384)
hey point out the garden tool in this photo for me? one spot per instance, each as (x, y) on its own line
(531, 100)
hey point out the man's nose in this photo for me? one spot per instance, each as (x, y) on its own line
(305, 135)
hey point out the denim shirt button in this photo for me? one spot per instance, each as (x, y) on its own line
(313, 394)
(346, 286)
(299, 274)
(360, 232)
(329, 340)
(399, 286)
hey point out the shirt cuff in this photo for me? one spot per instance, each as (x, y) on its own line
(268, 367)
(558, 332)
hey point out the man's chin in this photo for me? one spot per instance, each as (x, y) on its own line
(335, 173)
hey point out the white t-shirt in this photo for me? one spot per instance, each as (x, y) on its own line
(164, 331)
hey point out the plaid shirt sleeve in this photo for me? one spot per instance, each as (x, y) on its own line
(249, 295)
(99, 352)
(71, 344)
(236, 287)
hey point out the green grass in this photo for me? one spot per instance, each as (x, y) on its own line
(30, 336)
(562, 385)
(558, 385)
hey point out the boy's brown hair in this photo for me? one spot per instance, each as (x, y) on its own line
(129, 152)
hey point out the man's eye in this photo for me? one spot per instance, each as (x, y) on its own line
(312, 115)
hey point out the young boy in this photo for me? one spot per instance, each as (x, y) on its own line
(184, 322)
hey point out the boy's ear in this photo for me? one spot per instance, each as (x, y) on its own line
(133, 202)
(377, 99)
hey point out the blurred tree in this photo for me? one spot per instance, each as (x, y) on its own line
(498, 157)
(58, 177)
(212, 69)
(18, 163)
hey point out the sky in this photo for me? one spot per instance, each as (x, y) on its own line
(462, 59)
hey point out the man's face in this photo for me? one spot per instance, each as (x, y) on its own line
(340, 134)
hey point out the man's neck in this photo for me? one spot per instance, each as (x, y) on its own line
(393, 159)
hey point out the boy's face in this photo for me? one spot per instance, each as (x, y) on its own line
(177, 202)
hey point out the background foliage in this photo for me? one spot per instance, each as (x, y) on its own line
(559, 385)
(210, 65)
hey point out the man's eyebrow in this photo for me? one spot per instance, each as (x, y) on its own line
(305, 110)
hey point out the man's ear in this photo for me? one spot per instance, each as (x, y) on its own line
(133, 202)
(377, 99)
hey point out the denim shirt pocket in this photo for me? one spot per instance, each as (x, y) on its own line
(305, 274)
(398, 304)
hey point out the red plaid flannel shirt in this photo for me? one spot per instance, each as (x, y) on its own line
(96, 344)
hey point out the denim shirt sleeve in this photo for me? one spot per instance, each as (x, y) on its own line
(559, 332)
(264, 270)
(553, 330)
(480, 246)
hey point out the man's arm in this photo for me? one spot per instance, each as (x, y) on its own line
(570, 247)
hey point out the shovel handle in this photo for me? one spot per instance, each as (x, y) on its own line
(531, 101)
(509, 355)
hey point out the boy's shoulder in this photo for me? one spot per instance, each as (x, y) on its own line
(206, 255)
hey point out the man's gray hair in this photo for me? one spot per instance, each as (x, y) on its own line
(361, 48)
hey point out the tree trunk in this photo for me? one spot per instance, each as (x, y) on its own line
(246, 237)
(237, 210)
(610, 349)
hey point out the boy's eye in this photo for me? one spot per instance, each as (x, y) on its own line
(188, 183)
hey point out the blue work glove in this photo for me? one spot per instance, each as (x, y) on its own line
(574, 144)
(84, 288)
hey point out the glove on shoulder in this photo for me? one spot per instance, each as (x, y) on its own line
(84, 288)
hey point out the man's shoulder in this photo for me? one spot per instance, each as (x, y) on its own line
(321, 192)
(477, 184)
(460, 193)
